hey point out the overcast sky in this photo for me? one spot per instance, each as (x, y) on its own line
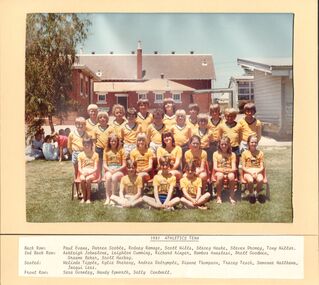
(225, 36)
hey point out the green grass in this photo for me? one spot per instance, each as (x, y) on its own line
(48, 198)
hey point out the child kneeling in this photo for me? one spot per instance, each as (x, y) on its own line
(164, 184)
(130, 188)
(191, 186)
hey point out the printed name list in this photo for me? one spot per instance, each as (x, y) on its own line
(162, 256)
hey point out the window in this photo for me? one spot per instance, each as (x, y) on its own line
(81, 86)
(142, 96)
(177, 97)
(101, 98)
(158, 98)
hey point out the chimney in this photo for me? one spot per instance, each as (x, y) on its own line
(139, 60)
(162, 75)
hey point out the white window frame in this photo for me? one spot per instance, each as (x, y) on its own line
(99, 101)
(157, 100)
(178, 94)
(141, 96)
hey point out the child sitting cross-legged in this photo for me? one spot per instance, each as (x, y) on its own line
(191, 186)
(130, 188)
(164, 184)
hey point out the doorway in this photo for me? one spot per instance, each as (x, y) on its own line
(122, 100)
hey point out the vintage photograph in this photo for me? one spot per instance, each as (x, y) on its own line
(159, 117)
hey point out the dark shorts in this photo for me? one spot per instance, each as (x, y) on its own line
(99, 151)
(236, 150)
(162, 197)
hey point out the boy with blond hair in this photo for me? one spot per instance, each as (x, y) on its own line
(91, 122)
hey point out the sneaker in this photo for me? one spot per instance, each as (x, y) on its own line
(169, 209)
(261, 199)
(252, 199)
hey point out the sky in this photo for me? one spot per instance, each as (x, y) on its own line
(225, 36)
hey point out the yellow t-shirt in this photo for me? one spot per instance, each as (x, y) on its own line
(181, 134)
(175, 153)
(101, 135)
(131, 187)
(205, 137)
(215, 128)
(202, 156)
(224, 161)
(144, 122)
(169, 121)
(141, 159)
(117, 127)
(164, 183)
(193, 126)
(87, 161)
(75, 141)
(191, 186)
(250, 129)
(114, 158)
(234, 133)
(90, 128)
(154, 134)
(252, 161)
(129, 135)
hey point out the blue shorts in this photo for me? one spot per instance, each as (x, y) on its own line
(75, 157)
(162, 197)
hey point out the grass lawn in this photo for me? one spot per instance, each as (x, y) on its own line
(48, 198)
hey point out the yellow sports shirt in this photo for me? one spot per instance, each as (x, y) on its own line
(250, 129)
(215, 128)
(164, 183)
(102, 135)
(252, 161)
(205, 137)
(189, 156)
(155, 135)
(144, 122)
(191, 186)
(75, 141)
(86, 161)
(224, 161)
(181, 134)
(141, 159)
(90, 128)
(175, 153)
(234, 133)
(169, 121)
(129, 134)
(117, 127)
(113, 157)
(130, 187)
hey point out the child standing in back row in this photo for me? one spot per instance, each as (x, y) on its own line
(92, 121)
(249, 125)
(144, 117)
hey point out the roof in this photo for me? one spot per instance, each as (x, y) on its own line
(173, 66)
(150, 85)
(267, 64)
(87, 69)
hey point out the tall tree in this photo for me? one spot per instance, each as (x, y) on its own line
(51, 41)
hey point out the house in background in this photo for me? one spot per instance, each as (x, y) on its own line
(126, 78)
(243, 89)
(273, 93)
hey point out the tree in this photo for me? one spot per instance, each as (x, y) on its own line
(51, 40)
